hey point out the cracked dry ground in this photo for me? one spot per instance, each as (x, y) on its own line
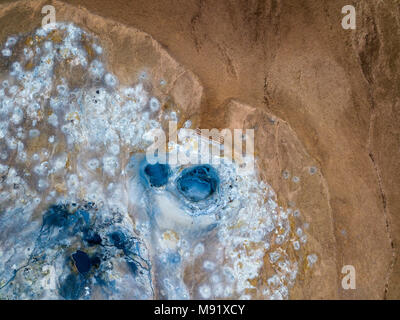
(317, 95)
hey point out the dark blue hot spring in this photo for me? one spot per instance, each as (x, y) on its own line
(157, 174)
(198, 183)
(82, 261)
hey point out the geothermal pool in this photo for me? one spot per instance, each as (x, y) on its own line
(84, 215)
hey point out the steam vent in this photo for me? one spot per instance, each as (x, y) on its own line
(199, 150)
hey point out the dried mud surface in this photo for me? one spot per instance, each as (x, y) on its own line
(320, 98)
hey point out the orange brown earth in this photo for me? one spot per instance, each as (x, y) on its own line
(324, 103)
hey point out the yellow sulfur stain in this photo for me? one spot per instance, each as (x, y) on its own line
(29, 65)
(73, 116)
(29, 41)
(170, 235)
(55, 36)
(253, 282)
(60, 187)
